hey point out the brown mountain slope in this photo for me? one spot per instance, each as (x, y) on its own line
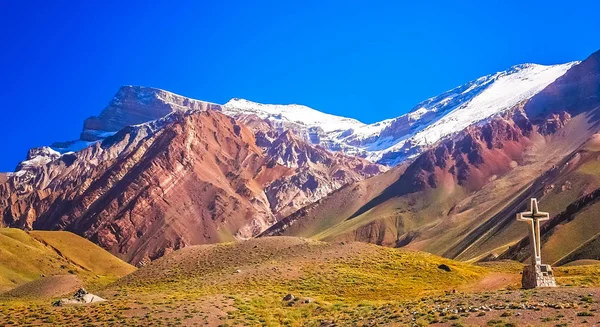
(189, 178)
(436, 185)
(459, 198)
(333, 209)
(573, 190)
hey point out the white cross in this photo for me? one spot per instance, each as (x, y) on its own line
(533, 217)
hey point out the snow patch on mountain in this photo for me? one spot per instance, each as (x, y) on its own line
(36, 157)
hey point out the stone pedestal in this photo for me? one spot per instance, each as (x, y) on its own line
(538, 276)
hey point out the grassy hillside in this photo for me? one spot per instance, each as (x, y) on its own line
(281, 265)
(83, 253)
(25, 257)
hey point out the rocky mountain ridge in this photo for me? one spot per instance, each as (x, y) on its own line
(192, 177)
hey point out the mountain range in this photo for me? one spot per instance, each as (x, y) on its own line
(155, 171)
(459, 198)
(388, 142)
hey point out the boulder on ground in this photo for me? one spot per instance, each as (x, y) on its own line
(80, 297)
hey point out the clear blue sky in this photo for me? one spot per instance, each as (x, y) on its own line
(61, 62)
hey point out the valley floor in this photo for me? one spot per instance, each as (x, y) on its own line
(333, 284)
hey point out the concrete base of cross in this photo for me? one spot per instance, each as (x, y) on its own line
(538, 276)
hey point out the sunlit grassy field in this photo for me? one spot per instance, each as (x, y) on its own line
(245, 283)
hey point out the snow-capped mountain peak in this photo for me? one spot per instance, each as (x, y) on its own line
(292, 113)
(441, 116)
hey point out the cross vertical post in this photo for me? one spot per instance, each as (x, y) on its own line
(536, 274)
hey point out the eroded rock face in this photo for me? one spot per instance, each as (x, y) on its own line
(191, 177)
(554, 122)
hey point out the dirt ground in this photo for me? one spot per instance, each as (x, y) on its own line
(540, 307)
